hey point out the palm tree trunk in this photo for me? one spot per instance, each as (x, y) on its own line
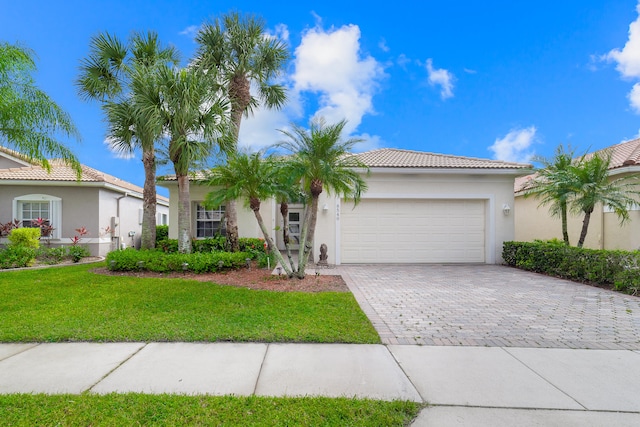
(585, 226)
(240, 95)
(271, 244)
(306, 239)
(565, 232)
(148, 236)
(184, 214)
(284, 211)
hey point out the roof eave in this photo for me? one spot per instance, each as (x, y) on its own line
(451, 171)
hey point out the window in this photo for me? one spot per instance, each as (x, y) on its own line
(30, 207)
(209, 222)
(163, 219)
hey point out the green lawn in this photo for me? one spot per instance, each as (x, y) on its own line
(153, 410)
(73, 304)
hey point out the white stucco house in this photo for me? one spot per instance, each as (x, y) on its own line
(419, 208)
(109, 208)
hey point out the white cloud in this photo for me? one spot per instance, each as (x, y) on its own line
(281, 31)
(260, 130)
(329, 64)
(514, 146)
(382, 44)
(190, 31)
(628, 59)
(634, 97)
(441, 77)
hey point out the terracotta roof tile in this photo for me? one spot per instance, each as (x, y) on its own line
(624, 154)
(396, 158)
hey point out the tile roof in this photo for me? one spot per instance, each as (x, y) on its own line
(624, 154)
(60, 172)
(396, 158)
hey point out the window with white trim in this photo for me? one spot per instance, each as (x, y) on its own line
(163, 219)
(30, 207)
(210, 222)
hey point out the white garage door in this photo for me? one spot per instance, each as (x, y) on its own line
(413, 231)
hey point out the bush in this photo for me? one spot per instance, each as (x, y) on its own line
(15, 256)
(52, 256)
(25, 237)
(602, 267)
(77, 252)
(161, 262)
(162, 233)
(210, 244)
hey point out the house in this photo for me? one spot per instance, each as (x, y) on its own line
(605, 232)
(419, 208)
(109, 208)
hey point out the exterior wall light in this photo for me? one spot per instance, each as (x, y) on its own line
(506, 209)
(325, 208)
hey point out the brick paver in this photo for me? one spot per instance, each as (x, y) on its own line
(491, 305)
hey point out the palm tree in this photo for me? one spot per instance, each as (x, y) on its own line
(111, 74)
(183, 103)
(254, 178)
(238, 48)
(29, 118)
(554, 186)
(593, 187)
(321, 160)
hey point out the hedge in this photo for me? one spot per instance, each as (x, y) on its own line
(617, 269)
(153, 260)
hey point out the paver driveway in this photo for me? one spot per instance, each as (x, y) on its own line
(491, 305)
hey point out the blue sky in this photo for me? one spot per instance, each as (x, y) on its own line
(494, 79)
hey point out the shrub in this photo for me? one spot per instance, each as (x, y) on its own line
(17, 256)
(603, 267)
(162, 233)
(77, 252)
(161, 262)
(52, 255)
(25, 237)
(210, 244)
(167, 245)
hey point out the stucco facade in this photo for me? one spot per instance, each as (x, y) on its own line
(412, 179)
(533, 221)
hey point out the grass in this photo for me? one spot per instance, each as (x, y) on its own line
(153, 410)
(73, 304)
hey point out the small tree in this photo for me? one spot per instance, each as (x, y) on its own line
(253, 178)
(319, 161)
(593, 186)
(554, 185)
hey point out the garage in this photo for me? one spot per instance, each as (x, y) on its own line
(413, 231)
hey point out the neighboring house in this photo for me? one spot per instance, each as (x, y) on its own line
(535, 222)
(419, 208)
(109, 208)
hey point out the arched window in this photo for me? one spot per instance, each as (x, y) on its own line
(30, 207)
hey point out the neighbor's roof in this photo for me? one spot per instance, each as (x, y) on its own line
(62, 173)
(623, 154)
(396, 158)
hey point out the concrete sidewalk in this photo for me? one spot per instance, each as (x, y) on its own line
(466, 386)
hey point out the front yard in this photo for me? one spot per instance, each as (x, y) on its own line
(74, 304)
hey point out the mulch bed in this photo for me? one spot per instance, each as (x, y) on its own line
(251, 278)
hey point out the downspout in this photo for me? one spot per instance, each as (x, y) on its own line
(602, 227)
(119, 236)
